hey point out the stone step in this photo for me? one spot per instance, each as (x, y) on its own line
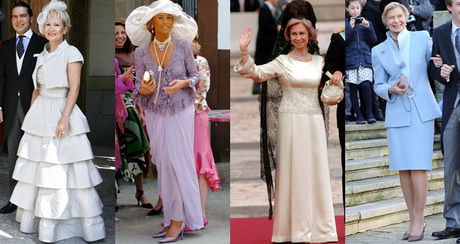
(383, 188)
(375, 215)
(354, 132)
(372, 148)
(366, 168)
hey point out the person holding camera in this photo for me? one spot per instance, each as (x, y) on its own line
(420, 13)
(401, 78)
(360, 36)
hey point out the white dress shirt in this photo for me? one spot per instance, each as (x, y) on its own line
(25, 41)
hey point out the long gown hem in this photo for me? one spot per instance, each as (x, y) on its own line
(281, 239)
(55, 192)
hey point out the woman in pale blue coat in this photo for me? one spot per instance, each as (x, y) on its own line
(411, 109)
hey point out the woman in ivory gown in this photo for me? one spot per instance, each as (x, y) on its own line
(56, 177)
(303, 199)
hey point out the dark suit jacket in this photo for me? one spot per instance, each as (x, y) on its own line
(266, 36)
(371, 11)
(335, 61)
(12, 83)
(442, 45)
(249, 5)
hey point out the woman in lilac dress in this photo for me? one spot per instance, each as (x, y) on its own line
(161, 31)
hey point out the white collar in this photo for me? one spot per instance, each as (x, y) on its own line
(61, 46)
(454, 28)
(28, 34)
(270, 5)
(401, 36)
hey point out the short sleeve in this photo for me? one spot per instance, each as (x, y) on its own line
(73, 55)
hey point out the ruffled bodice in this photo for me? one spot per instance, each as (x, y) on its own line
(181, 67)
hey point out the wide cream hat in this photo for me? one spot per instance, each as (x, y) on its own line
(184, 25)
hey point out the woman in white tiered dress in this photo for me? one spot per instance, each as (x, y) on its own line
(303, 199)
(55, 193)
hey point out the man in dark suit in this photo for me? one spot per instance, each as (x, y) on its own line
(17, 63)
(266, 37)
(446, 42)
(248, 6)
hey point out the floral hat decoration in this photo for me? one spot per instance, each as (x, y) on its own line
(184, 25)
(54, 4)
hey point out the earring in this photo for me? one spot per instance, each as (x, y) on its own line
(153, 30)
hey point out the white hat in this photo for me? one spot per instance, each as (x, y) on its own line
(184, 25)
(54, 4)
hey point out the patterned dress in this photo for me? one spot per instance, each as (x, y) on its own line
(204, 158)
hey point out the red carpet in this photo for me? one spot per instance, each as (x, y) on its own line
(259, 230)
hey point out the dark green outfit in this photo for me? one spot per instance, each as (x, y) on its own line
(133, 143)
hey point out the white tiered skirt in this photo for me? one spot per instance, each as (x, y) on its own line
(55, 193)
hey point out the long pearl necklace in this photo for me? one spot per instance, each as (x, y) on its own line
(160, 66)
(161, 45)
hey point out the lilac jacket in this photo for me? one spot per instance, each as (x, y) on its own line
(181, 67)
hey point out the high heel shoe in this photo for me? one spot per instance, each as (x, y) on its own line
(417, 238)
(138, 197)
(173, 239)
(405, 236)
(205, 222)
(159, 234)
(155, 212)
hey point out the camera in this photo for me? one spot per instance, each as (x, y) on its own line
(411, 19)
(411, 23)
(359, 20)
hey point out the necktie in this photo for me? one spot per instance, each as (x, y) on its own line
(20, 47)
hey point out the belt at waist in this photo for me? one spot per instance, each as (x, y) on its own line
(54, 92)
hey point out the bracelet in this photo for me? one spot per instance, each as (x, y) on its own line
(244, 53)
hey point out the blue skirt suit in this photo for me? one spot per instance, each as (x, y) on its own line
(409, 118)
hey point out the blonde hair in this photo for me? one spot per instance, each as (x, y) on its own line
(60, 15)
(196, 48)
(391, 6)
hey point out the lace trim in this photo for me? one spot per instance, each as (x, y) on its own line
(300, 100)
